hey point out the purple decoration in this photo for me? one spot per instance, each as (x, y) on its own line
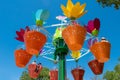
(89, 42)
(94, 41)
(41, 51)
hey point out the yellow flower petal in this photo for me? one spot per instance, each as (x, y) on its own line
(82, 7)
(81, 14)
(75, 10)
(75, 54)
(65, 11)
(69, 5)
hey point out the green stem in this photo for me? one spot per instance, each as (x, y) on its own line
(62, 72)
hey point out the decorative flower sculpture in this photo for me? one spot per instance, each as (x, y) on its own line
(20, 34)
(93, 26)
(41, 16)
(73, 11)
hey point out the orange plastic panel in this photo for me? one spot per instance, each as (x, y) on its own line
(22, 58)
(101, 50)
(74, 36)
(34, 41)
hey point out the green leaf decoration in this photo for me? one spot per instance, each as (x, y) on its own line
(38, 14)
(39, 22)
(58, 32)
(95, 32)
(44, 15)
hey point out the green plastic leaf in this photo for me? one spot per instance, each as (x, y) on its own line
(95, 32)
(44, 15)
(39, 22)
(58, 32)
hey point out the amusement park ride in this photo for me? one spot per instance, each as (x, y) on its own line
(68, 39)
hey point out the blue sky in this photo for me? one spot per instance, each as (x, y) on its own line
(15, 14)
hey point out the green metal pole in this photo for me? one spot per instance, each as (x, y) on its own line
(61, 51)
(62, 72)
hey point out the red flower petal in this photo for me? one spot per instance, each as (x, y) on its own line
(97, 23)
(20, 34)
(88, 30)
(19, 39)
(91, 25)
